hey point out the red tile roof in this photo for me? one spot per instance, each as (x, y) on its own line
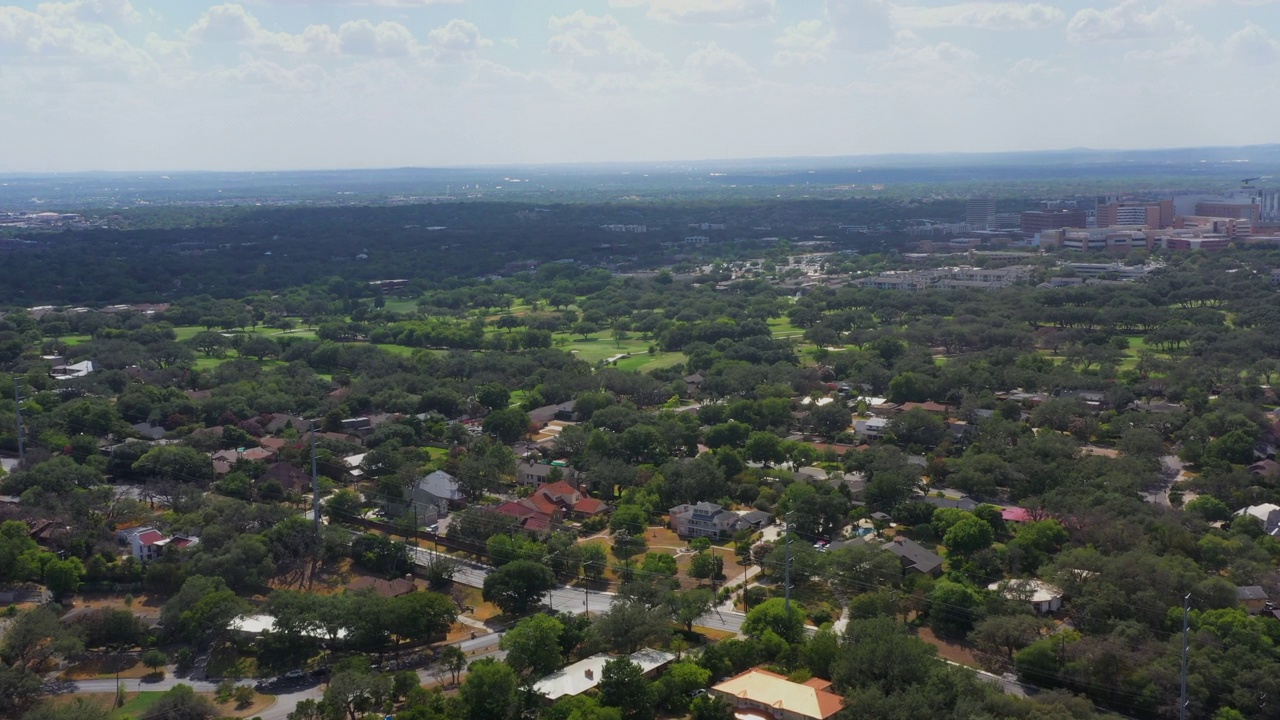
(589, 506)
(151, 537)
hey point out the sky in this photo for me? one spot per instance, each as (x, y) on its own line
(305, 84)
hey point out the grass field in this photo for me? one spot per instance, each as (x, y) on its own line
(782, 328)
(601, 346)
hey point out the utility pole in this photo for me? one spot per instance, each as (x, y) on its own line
(17, 402)
(787, 578)
(315, 480)
(1186, 613)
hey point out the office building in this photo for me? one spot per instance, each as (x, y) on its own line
(1037, 221)
(979, 213)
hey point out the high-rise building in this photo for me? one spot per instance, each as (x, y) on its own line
(1152, 215)
(1269, 205)
(979, 213)
(1036, 221)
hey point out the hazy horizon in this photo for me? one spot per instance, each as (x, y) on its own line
(283, 85)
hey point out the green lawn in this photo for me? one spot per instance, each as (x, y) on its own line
(782, 328)
(645, 362)
(136, 706)
(186, 332)
(402, 306)
(76, 339)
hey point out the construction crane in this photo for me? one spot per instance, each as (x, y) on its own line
(1245, 182)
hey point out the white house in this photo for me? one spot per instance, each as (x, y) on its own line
(147, 543)
(705, 519)
(585, 674)
(1044, 598)
(1268, 513)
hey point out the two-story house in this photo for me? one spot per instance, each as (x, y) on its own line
(705, 519)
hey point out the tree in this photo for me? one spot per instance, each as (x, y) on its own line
(19, 687)
(533, 646)
(678, 684)
(632, 519)
(62, 577)
(175, 462)
(1007, 634)
(706, 566)
(710, 708)
(917, 427)
(952, 609)
(154, 659)
(259, 347)
(631, 624)
(585, 329)
(508, 425)
(882, 654)
(35, 637)
(764, 447)
(181, 703)
(355, 690)
(489, 692)
(518, 586)
(453, 659)
(968, 536)
(594, 561)
(201, 610)
(243, 695)
(772, 615)
(494, 396)
(421, 615)
(212, 344)
(690, 605)
(623, 686)
(830, 420)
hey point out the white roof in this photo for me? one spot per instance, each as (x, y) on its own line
(1262, 512)
(353, 461)
(1017, 589)
(258, 624)
(574, 679)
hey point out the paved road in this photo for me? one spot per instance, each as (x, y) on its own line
(574, 600)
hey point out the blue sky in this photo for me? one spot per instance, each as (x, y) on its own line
(283, 84)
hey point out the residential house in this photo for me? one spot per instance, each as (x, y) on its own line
(149, 431)
(1252, 598)
(929, 407)
(291, 479)
(914, 556)
(584, 675)
(705, 519)
(1095, 400)
(1268, 513)
(535, 514)
(1265, 468)
(752, 520)
(569, 500)
(759, 695)
(353, 463)
(693, 383)
(147, 543)
(385, 588)
(960, 503)
(1043, 597)
(438, 491)
(872, 428)
(73, 371)
(564, 412)
(535, 474)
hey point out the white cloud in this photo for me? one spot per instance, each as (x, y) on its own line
(703, 11)
(985, 15)
(1191, 48)
(713, 62)
(599, 37)
(257, 71)
(861, 25)
(56, 34)
(457, 41)
(1252, 45)
(107, 12)
(375, 3)
(1127, 20)
(226, 23)
(804, 43)
(384, 39)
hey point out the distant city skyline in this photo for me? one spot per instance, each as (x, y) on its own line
(308, 84)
